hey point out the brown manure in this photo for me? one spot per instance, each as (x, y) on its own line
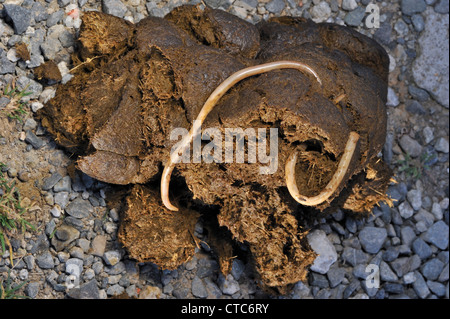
(321, 87)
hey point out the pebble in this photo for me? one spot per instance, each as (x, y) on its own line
(442, 145)
(405, 210)
(410, 7)
(414, 197)
(429, 63)
(45, 260)
(432, 269)
(320, 12)
(349, 5)
(421, 248)
(79, 208)
(372, 238)
(198, 288)
(32, 289)
(112, 257)
(355, 17)
(228, 285)
(437, 235)
(114, 7)
(275, 6)
(392, 98)
(20, 17)
(420, 286)
(410, 146)
(320, 243)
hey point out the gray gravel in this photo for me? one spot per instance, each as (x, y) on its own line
(76, 253)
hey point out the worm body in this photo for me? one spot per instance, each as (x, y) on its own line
(209, 105)
(334, 182)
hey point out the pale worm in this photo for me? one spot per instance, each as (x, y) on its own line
(209, 105)
(334, 182)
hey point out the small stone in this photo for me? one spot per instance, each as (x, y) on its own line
(88, 290)
(432, 269)
(442, 6)
(415, 107)
(237, 269)
(74, 266)
(32, 289)
(421, 248)
(437, 235)
(320, 243)
(61, 199)
(198, 288)
(386, 273)
(20, 17)
(228, 285)
(418, 23)
(410, 7)
(410, 146)
(372, 238)
(35, 106)
(355, 17)
(45, 260)
(77, 252)
(51, 181)
(429, 62)
(150, 292)
(98, 245)
(441, 145)
(112, 257)
(415, 198)
(32, 139)
(437, 288)
(275, 6)
(392, 98)
(408, 235)
(335, 276)
(402, 28)
(405, 210)
(63, 185)
(354, 256)
(428, 134)
(79, 208)
(393, 288)
(55, 211)
(320, 12)
(64, 235)
(55, 18)
(436, 210)
(349, 5)
(390, 254)
(443, 277)
(114, 7)
(420, 286)
(409, 278)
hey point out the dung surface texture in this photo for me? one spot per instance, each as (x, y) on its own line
(135, 84)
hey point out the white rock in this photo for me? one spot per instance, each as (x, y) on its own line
(320, 243)
(392, 98)
(320, 12)
(349, 5)
(12, 55)
(431, 68)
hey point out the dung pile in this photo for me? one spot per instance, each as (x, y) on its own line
(135, 84)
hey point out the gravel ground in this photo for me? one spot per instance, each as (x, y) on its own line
(74, 252)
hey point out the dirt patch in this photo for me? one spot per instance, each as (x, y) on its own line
(135, 84)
